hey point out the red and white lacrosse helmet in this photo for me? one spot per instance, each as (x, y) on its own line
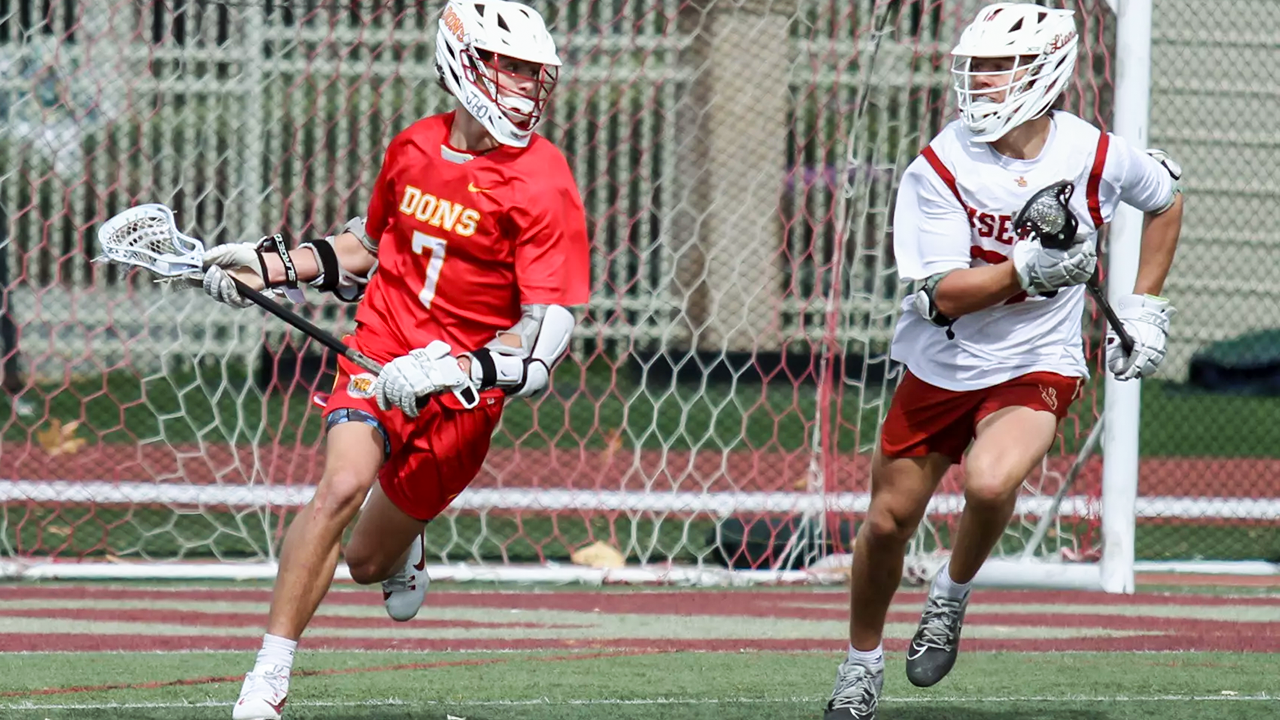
(475, 41)
(1043, 40)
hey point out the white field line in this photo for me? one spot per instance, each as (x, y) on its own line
(674, 701)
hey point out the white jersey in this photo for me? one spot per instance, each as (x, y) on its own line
(955, 209)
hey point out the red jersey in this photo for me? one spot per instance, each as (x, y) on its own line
(462, 245)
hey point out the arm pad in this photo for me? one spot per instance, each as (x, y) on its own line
(279, 246)
(345, 285)
(544, 332)
(1174, 169)
(356, 227)
(925, 305)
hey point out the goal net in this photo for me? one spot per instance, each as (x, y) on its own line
(738, 162)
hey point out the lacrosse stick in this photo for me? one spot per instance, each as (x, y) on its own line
(1047, 217)
(147, 237)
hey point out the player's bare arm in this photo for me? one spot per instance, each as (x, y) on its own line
(1145, 314)
(1159, 242)
(965, 291)
(1033, 269)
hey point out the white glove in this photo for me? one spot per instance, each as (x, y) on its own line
(1146, 317)
(1041, 270)
(422, 372)
(217, 282)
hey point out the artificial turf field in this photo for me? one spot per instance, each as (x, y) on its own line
(538, 653)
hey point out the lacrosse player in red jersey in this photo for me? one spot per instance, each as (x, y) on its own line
(474, 246)
(992, 342)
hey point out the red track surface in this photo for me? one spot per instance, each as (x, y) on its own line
(1162, 633)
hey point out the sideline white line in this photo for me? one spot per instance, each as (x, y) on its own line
(675, 701)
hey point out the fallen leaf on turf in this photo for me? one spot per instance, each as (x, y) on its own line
(612, 444)
(60, 439)
(598, 554)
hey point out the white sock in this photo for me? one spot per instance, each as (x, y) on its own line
(948, 587)
(276, 651)
(870, 658)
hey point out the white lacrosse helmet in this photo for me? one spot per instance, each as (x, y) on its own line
(473, 37)
(1043, 41)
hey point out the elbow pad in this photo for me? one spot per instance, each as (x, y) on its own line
(356, 227)
(333, 278)
(928, 308)
(1174, 169)
(544, 332)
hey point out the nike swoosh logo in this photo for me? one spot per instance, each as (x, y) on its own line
(422, 561)
(472, 187)
(278, 707)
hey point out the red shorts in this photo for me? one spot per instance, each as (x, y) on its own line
(431, 458)
(926, 419)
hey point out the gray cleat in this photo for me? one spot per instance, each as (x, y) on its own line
(932, 652)
(857, 692)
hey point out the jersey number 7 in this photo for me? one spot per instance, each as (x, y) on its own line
(423, 242)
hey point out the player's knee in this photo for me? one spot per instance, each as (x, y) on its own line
(989, 495)
(367, 560)
(886, 525)
(363, 573)
(340, 494)
(989, 484)
(368, 569)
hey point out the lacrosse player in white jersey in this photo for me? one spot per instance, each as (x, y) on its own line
(992, 340)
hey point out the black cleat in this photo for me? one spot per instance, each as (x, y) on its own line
(932, 652)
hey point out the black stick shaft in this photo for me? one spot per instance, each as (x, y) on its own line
(1095, 289)
(1126, 341)
(308, 328)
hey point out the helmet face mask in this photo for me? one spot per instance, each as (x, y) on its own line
(518, 88)
(1027, 50)
(498, 59)
(993, 80)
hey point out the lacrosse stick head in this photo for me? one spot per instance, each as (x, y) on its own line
(1048, 218)
(146, 236)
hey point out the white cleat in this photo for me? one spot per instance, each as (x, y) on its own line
(403, 593)
(263, 694)
(857, 692)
